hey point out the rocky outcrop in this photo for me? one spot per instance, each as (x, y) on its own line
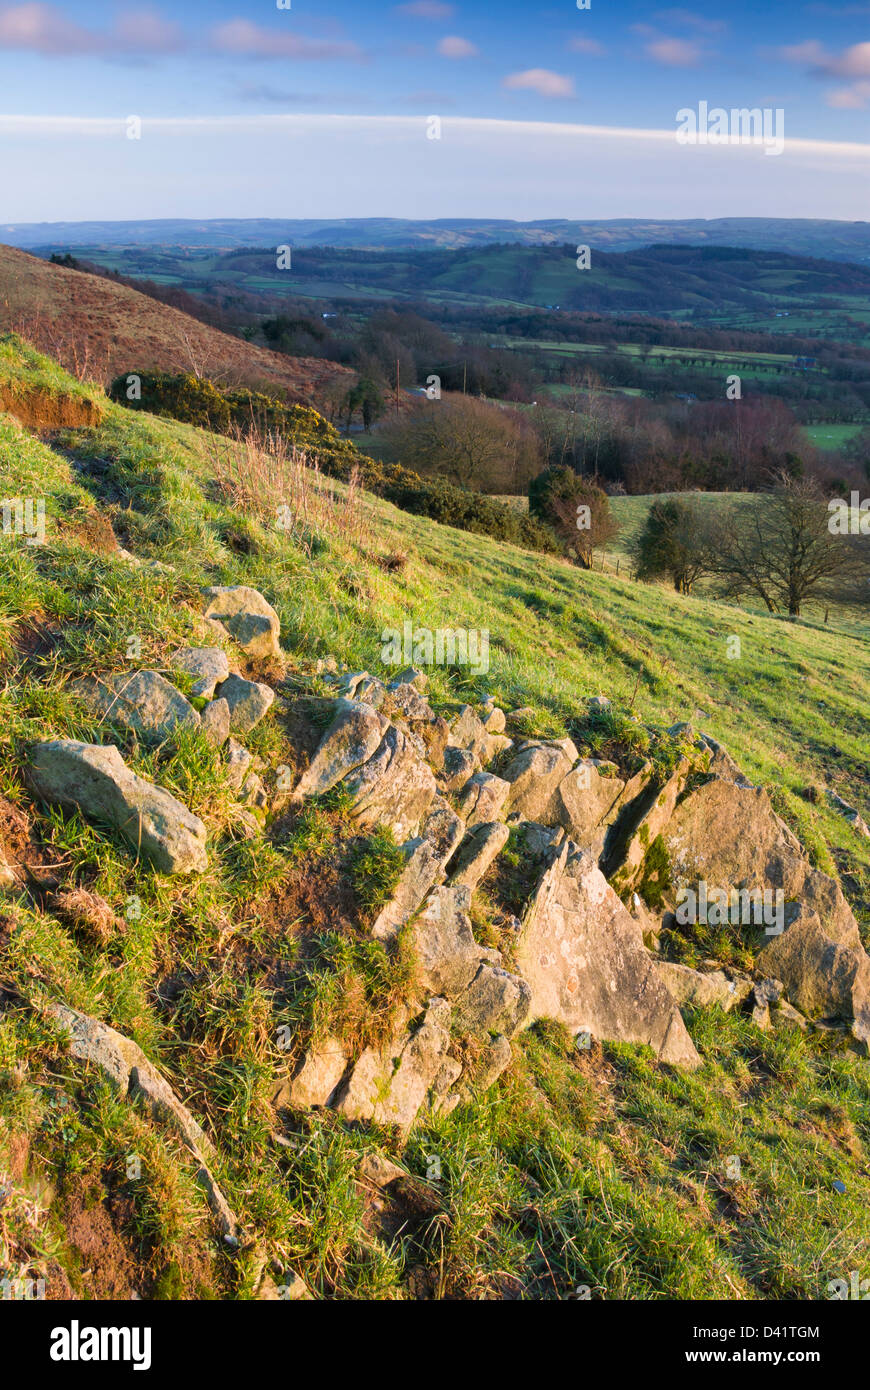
(426, 854)
(389, 1085)
(95, 780)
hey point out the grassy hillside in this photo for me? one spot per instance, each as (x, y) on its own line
(600, 1169)
(98, 329)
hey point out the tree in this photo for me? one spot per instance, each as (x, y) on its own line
(474, 443)
(365, 397)
(578, 511)
(678, 540)
(782, 549)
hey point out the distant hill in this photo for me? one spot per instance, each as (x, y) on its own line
(98, 328)
(686, 280)
(832, 240)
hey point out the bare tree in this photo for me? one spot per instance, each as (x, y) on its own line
(782, 549)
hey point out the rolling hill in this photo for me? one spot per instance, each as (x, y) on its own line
(839, 241)
(99, 329)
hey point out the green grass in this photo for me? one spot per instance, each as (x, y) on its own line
(601, 1170)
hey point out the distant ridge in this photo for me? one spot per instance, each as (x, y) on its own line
(828, 239)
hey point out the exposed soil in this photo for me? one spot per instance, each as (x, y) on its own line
(21, 851)
(48, 410)
(95, 1231)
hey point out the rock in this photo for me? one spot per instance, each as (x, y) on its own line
(702, 988)
(250, 620)
(824, 976)
(478, 850)
(133, 1076)
(535, 775)
(238, 763)
(318, 1077)
(215, 722)
(427, 854)
(722, 764)
(412, 707)
(587, 802)
(350, 740)
(494, 720)
(396, 787)
(253, 792)
(96, 781)
(142, 701)
(849, 813)
(761, 1015)
(785, 1016)
(585, 961)
(457, 766)
(495, 745)
(390, 1086)
(412, 675)
(379, 1170)
(467, 731)
(495, 1002)
(598, 704)
(447, 953)
(495, 1060)
(632, 834)
(729, 836)
(209, 666)
(248, 701)
(482, 799)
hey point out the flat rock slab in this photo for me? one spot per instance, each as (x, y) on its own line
(250, 620)
(479, 849)
(248, 701)
(95, 780)
(143, 701)
(350, 740)
(584, 958)
(702, 988)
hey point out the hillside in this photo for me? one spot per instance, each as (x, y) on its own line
(99, 329)
(730, 283)
(833, 240)
(595, 1164)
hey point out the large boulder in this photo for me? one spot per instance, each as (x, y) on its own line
(636, 829)
(475, 855)
(142, 701)
(250, 620)
(482, 799)
(584, 959)
(726, 834)
(95, 780)
(447, 954)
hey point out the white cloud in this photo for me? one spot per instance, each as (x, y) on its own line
(454, 47)
(675, 53)
(542, 81)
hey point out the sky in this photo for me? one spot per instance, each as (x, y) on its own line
(327, 108)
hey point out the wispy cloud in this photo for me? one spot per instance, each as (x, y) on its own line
(45, 29)
(590, 46)
(675, 53)
(852, 62)
(540, 80)
(455, 47)
(243, 38)
(426, 9)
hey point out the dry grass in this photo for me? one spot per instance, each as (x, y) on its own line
(277, 484)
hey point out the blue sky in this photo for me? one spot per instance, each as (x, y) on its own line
(547, 110)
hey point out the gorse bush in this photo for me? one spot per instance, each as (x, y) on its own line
(198, 401)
